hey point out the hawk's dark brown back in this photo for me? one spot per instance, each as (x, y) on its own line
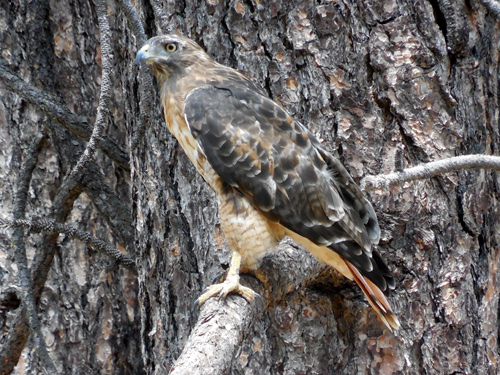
(256, 147)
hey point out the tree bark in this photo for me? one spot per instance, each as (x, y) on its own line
(384, 85)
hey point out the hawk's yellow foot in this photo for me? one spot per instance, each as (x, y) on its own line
(230, 284)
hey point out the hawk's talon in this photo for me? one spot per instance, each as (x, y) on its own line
(231, 284)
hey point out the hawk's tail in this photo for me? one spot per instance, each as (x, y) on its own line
(373, 293)
(375, 297)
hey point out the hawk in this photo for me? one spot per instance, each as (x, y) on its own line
(272, 178)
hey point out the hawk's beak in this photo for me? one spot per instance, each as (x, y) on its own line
(142, 54)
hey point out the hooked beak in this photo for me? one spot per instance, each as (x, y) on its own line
(143, 54)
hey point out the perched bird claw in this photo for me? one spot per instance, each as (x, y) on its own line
(230, 285)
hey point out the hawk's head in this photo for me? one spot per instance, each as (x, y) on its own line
(170, 54)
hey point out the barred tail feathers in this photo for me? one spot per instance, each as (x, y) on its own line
(374, 295)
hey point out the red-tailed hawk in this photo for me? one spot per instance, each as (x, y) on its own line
(271, 176)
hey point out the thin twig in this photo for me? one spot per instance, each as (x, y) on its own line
(146, 89)
(105, 97)
(14, 340)
(145, 105)
(493, 6)
(51, 226)
(133, 21)
(432, 169)
(50, 105)
(28, 298)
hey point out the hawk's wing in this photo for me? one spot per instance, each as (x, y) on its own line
(256, 147)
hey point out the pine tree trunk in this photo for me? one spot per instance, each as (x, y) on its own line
(385, 85)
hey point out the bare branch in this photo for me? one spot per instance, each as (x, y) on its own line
(51, 226)
(133, 21)
(222, 325)
(28, 298)
(23, 183)
(432, 169)
(493, 6)
(48, 104)
(216, 337)
(105, 97)
(146, 90)
(147, 98)
(14, 340)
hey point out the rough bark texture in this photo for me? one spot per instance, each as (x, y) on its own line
(384, 84)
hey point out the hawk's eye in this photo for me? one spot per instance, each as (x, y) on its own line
(171, 47)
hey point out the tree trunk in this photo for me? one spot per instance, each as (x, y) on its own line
(385, 85)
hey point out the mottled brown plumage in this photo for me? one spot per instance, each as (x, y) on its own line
(271, 176)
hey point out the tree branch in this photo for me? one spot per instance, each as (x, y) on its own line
(146, 89)
(48, 104)
(133, 21)
(14, 340)
(216, 337)
(51, 226)
(62, 204)
(432, 169)
(28, 298)
(222, 325)
(105, 97)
